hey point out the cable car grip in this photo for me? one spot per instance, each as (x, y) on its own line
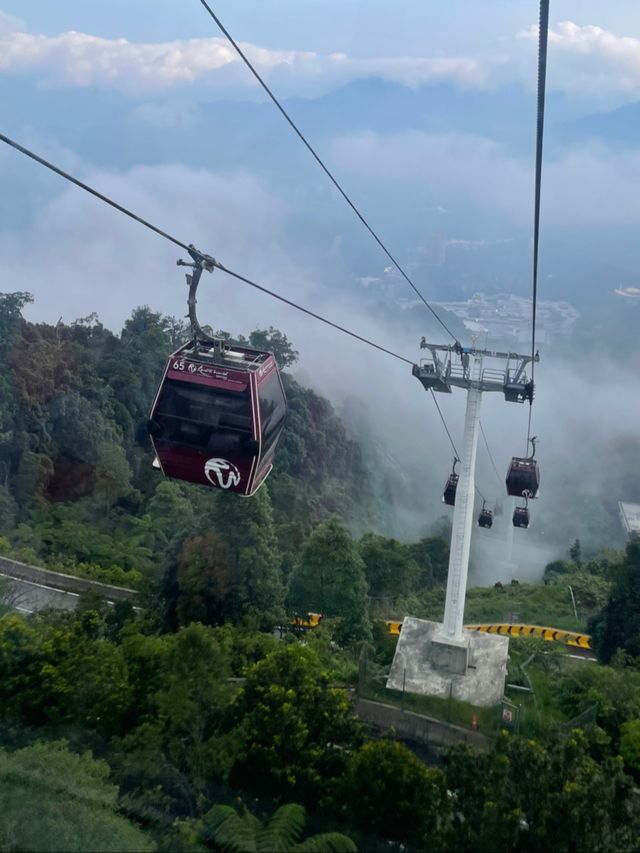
(200, 262)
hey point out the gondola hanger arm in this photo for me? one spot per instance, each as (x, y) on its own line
(200, 262)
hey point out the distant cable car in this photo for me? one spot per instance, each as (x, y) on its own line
(524, 475)
(485, 519)
(219, 411)
(449, 496)
(497, 510)
(521, 513)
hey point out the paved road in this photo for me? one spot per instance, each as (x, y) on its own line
(31, 588)
(28, 597)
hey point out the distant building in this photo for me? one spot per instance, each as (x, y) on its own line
(507, 318)
(630, 517)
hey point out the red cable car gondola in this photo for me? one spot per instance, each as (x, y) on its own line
(485, 519)
(449, 495)
(219, 411)
(521, 513)
(524, 475)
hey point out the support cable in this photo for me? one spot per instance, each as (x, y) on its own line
(192, 251)
(486, 444)
(543, 37)
(323, 166)
(453, 445)
(89, 189)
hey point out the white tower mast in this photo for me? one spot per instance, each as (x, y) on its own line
(439, 374)
(463, 512)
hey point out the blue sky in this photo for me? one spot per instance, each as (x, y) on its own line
(363, 27)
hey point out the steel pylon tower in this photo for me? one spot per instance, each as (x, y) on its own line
(440, 373)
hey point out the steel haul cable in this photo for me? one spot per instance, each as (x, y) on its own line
(322, 165)
(544, 20)
(486, 444)
(190, 249)
(543, 38)
(452, 442)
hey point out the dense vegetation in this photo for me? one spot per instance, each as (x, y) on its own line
(188, 723)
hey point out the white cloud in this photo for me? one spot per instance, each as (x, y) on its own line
(9, 24)
(582, 186)
(591, 60)
(79, 59)
(90, 255)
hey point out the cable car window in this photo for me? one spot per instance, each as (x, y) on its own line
(272, 410)
(203, 403)
(210, 419)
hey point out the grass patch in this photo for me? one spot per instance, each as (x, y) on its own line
(531, 604)
(446, 710)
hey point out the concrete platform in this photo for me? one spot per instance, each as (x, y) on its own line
(428, 665)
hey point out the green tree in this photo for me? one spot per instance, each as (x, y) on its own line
(617, 627)
(389, 567)
(432, 555)
(575, 552)
(393, 794)
(203, 580)
(245, 833)
(255, 576)
(113, 473)
(615, 692)
(567, 795)
(295, 729)
(330, 579)
(11, 305)
(274, 341)
(171, 513)
(77, 427)
(8, 510)
(630, 744)
(58, 669)
(179, 746)
(52, 799)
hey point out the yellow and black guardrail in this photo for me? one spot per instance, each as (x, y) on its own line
(558, 635)
(541, 632)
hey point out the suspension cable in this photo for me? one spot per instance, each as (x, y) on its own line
(323, 166)
(191, 250)
(486, 444)
(453, 445)
(340, 189)
(89, 189)
(312, 314)
(543, 37)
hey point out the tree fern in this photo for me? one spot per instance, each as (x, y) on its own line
(232, 832)
(235, 833)
(283, 829)
(326, 842)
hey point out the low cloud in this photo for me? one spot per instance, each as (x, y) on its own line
(583, 186)
(591, 60)
(83, 60)
(586, 61)
(78, 256)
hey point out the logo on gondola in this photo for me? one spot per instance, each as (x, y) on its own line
(202, 369)
(226, 473)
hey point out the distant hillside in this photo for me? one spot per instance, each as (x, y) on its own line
(617, 127)
(77, 488)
